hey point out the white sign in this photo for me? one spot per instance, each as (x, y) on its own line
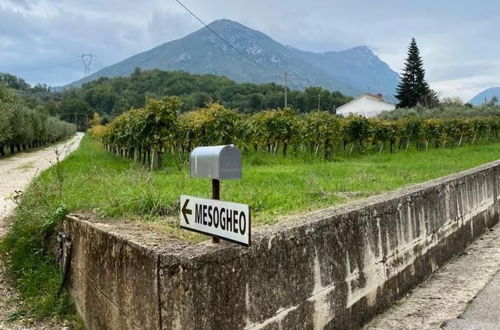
(213, 217)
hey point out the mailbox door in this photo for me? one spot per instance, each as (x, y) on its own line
(230, 163)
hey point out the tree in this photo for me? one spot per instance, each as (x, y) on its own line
(75, 110)
(430, 100)
(13, 82)
(413, 89)
(96, 120)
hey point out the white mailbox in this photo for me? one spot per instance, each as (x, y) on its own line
(216, 162)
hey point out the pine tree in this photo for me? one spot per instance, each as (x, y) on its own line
(413, 89)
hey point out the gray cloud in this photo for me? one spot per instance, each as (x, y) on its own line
(40, 39)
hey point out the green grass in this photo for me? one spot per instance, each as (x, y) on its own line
(114, 187)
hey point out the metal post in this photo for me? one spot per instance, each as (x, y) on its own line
(286, 89)
(215, 195)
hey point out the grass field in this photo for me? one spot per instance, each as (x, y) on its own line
(114, 187)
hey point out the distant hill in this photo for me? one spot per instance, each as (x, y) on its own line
(352, 72)
(486, 96)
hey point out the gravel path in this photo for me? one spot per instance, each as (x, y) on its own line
(16, 172)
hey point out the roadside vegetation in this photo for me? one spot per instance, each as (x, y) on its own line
(114, 187)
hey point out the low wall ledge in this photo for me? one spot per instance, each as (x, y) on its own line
(333, 268)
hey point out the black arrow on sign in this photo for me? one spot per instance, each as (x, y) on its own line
(185, 211)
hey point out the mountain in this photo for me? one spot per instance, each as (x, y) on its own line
(352, 71)
(486, 96)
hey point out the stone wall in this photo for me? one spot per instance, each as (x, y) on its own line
(334, 269)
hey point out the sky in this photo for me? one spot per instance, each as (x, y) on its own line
(40, 40)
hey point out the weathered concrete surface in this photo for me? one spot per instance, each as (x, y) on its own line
(446, 293)
(114, 282)
(333, 269)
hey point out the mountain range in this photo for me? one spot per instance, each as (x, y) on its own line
(486, 96)
(353, 71)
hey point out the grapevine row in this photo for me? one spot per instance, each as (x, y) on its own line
(147, 133)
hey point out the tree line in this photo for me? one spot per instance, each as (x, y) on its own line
(22, 127)
(112, 96)
(146, 134)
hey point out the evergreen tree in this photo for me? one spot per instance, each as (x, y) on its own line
(413, 89)
(430, 100)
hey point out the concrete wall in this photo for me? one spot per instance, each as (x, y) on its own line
(334, 269)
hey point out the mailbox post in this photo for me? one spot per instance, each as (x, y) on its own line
(215, 195)
(215, 163)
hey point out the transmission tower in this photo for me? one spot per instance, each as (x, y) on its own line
(87, 62)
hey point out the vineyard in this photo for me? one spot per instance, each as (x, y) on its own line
(148, 133)
(22, 128)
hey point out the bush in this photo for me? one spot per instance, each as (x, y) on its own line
(22, 128)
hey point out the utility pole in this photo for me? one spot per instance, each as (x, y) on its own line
(286, 88)
(319, 102)
(87, 62)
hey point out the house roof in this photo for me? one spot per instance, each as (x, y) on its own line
(372, 97)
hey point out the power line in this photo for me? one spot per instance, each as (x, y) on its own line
(227, 42)
(237, 50)
(68, 113)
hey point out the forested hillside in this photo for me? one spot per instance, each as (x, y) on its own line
(112, 96)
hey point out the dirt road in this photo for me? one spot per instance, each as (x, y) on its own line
(16, 172)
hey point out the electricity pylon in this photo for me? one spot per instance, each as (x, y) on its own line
(87, 62)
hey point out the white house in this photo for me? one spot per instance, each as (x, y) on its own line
(367, 105)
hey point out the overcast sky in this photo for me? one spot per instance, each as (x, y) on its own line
(458, 39)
